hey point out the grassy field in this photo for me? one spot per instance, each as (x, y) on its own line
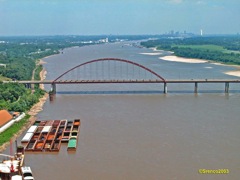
(9, 133)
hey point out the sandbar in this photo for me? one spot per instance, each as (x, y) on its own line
(183, 60)
(233, 73)
(151, 54)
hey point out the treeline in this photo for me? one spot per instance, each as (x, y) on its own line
(15, 97)
(19, 59)
(228, 58)
(228, 51)
(19, 54)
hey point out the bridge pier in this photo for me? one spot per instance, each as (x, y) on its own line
(196, 87)
(226, 87)
(53, 88)
(165, 88)
(28, 85)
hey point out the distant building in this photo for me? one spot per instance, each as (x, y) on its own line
(5, 117)
(103, 40)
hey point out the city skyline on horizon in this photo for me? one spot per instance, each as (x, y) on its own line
(105, 17)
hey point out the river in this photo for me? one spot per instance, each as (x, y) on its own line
(144, 134)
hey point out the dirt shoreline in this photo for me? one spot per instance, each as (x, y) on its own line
(35, 109)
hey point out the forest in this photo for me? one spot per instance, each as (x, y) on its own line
(15, 97)
(225, 49)
(18, 57)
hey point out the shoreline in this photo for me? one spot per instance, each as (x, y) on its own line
(43, 73)
(174, 58)
(235, 72)
(35, 109)
(182, 60)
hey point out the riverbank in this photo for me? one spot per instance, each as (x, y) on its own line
(35, 109)
(192, 60)
(42, 74)
(235, 72)
(188, 60)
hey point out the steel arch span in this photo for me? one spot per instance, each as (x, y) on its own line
(113, 60)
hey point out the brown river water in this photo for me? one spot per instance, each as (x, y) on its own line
(137, 132)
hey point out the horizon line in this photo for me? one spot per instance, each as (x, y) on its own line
(109, 35)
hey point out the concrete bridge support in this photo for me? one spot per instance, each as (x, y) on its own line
(28, 85)
(226, 87)
(53, 88)
(165, 88)
(196, 87)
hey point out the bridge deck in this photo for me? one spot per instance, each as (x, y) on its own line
(182, 81)
(130, 81)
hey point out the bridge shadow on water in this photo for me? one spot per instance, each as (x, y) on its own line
(149, 92)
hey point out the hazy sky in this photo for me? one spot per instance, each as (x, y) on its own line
(94, 17)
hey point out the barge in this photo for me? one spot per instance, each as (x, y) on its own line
(49, 134)
(56, 145)
(72, 144)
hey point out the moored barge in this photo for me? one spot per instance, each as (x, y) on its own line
(48, 135)
(72, 144)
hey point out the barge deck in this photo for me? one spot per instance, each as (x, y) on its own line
(47, 135)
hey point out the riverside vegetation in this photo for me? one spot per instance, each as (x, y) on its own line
(224, 49)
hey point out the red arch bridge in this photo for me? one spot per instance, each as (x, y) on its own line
(115, 70)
